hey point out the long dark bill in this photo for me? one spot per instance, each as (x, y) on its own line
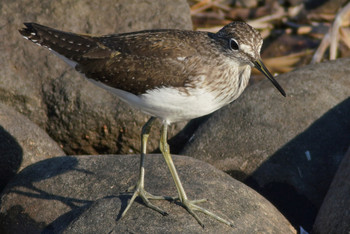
(261, 67)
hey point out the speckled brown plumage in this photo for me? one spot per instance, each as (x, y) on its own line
(131, 62)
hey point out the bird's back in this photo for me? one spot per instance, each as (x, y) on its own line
(133, 62)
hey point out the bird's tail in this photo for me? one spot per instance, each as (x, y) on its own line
(69, 45)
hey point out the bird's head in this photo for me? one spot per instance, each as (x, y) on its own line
(242, 43)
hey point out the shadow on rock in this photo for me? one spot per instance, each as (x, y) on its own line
(11, 156)
(24, 185)
(308, 163)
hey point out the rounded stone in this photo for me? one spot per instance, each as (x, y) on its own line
(85, 194)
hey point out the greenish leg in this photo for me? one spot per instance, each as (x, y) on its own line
(188, 204)
(140, 190)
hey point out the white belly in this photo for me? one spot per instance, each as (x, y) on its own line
(171, 105)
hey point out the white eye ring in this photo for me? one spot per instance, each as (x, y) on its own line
(233, 44)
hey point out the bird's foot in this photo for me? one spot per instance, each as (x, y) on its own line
(146, 196)
(191, 206)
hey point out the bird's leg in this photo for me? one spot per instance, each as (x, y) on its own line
(190, 205)
(139, 188)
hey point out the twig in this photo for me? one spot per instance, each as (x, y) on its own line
(332, 37)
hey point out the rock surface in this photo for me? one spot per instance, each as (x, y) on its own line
(21, 143)
(83, 195)
(334, 214)
(287, 148)
(81, 117)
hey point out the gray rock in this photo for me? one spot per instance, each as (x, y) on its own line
(84, 195)
(81, 117)
(334, 214)
(264, 138)
(22, 143)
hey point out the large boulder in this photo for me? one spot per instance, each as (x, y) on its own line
(77, 114)
(287, 148)
(84, 194)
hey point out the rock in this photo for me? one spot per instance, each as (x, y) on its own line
(78, 115)
(334, 214)
(287, 148)
(84, 194)
(22, 143)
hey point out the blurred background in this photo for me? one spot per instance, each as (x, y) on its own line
(295, 32)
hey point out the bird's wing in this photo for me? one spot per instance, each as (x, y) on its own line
(134, 62)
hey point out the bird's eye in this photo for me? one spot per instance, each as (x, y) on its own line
(233, 44)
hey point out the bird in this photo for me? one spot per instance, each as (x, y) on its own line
(170, 74)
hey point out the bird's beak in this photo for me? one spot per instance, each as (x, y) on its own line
(261, 67)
